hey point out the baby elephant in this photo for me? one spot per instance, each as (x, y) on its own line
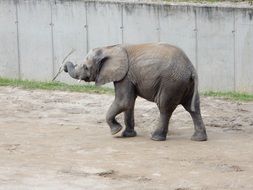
(158, 72)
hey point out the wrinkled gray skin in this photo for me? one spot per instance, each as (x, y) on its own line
(158, 72)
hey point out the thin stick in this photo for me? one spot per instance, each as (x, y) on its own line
(60, 69)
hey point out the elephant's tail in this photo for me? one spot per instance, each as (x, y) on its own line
(194, 77)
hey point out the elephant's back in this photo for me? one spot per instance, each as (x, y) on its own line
(155, 60)
(153, 66)
(151, 51)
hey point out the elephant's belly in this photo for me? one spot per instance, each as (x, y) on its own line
(150, 78)
(147, 85)
(146, 94)
(148, 90)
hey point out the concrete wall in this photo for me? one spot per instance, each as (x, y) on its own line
(36, 35)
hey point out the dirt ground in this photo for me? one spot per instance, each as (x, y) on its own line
(54, 140)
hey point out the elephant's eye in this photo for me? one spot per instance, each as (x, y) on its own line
(85, 67)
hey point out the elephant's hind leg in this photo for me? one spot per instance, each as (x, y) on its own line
(199, 127)
(167, 103)
(161, 131)
(200, 131)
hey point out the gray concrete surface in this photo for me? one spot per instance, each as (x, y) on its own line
(9, 61)
(36, 35)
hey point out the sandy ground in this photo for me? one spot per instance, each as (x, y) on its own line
(59, 140)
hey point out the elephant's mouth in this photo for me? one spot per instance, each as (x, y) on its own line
(86, 79)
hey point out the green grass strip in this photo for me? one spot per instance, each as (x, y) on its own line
(26, 84)
(235, 96)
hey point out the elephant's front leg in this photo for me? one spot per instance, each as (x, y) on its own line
(124, 101)
(129, 122)
(113, 111)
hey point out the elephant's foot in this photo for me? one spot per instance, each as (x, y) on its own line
(199, 136)
(159, 136)
(129, 133)
(115, 129)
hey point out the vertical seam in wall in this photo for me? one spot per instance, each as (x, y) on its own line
(196, 39)
(86, 27)
(158, 23)
(18, 42)
(122, 23)
(52, 39)
(234, 49)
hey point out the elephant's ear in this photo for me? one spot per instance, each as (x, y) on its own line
(112, 64)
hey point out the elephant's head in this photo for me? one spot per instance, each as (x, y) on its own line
(101, 65)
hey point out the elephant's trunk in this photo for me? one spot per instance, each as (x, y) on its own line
(70, 68)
